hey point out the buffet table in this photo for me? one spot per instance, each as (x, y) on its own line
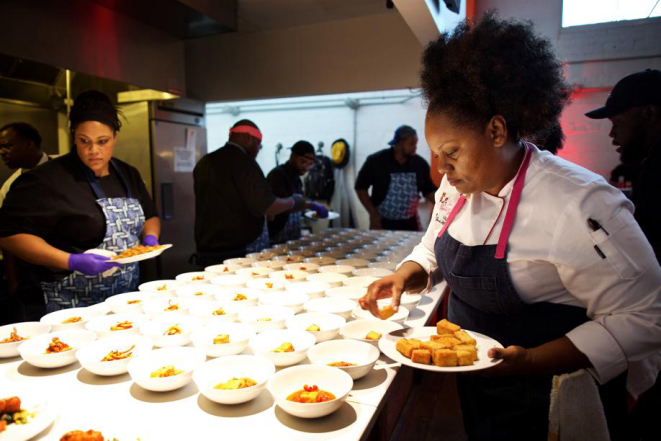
(118, 407)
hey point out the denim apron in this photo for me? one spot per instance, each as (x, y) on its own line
(124, 222)
(290, 231)
(483, 299)
(401, 201)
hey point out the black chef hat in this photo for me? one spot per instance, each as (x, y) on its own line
(93, 105)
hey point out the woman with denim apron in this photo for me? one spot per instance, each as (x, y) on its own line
(83, 200)
(539, 254)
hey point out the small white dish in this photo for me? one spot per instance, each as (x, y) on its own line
(163, 307)
(34, 350)
(262, 255)
(372, 272)
(214, 372)
(163, 288)
(265, 318)
(200, 291)
(326, 378)
(240, 297)
(356, 263)
(196, 277)
(392, 266)
(312, 289)
(215, 311)
(232, 281)
(182, 328)
(273, 264)
(358, 329)
(91, 355)
(363, 281)
(268, 284)
(129, 302)
(245, 261)
(339, 306)
(302, 266)
(223, 269)
(124, 323)
(185, 360)
(239, 335)
(339, 269)
(266, 344)
(337, 254)
(363, 355)
(289, 276)
(321, 261)
(347, 292)
(254, 272)
(26, 330)
(77, 318)
(408, 301)
(333, 279)
(329, 324)
(290, 258)
(399, 317)
(292, 300)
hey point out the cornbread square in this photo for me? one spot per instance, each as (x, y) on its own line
(465, 338)
(445, 327)
(467, 348)
(464, 358)
(431, 345)
(421, 356)
(449, 342)
(373, 335)
(437, 337)
(386, 312)
(444, 357)
(405, 347)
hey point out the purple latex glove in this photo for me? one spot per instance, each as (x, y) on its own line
(321, 211)
(90, 264)
(150, 240)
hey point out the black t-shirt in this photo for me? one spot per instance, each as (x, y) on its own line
(645, 196)
(285, 181)
(379, 166)
(56, 202)
(231, 198)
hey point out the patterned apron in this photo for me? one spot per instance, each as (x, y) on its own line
(291, 230)
(483, 299)
(262, 241)
(124, 222)
(401, 201)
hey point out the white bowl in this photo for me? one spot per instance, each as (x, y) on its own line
(302, 266)
(159, 307)
(329, 324)
(339, 269)
(333, 279)
(120, 303)
(289, 276)
(184, 359)
(200, 291)
(347, 292)
(337, 254)
(223, 269)
(99, 309)
(101, 325)
(321, 261)
(239, 336)
(55, 319)
(265, 343)
(228, 296)
(277, 314)
(205, 311)
(290, 258)
(223, 369)
(254, 272)
(363, 281)
(91, 355)
(372, 272)
(273, 264)
(262, 255)
(312, 289)
(267, 284)
(245, 261)
(357, 263)
(385, 265)
(358, 329)
(292, 300)
(163, 288)
(363, 255)
(196, 277)
(399, 317)
(409, 301)
(27, 330)
(326, 378)
(34, 350)
(364, 355)
(339, 306)
(156, 329)
(232, 281)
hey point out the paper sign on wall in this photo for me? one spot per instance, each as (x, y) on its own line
(184, 160)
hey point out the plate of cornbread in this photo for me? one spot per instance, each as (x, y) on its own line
(441, 348)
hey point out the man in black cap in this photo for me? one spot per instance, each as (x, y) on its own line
(285, 181)
(397, 177)
(634, 108)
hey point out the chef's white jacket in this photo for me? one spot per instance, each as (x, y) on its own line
(552, 258)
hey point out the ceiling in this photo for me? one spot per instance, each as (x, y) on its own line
(260, 15)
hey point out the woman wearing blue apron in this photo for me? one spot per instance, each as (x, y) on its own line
(539, 254)
(80, 201)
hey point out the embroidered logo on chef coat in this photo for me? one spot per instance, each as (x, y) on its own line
(444, 208)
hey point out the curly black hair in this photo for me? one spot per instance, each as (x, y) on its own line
(93, 105)
(495, 67)
(24, 130)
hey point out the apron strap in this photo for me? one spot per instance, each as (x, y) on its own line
(457, 207)
(96, 186)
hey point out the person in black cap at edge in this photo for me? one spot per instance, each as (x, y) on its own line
(634, 108)
(397, 176)
(233, 198)
(285, 181)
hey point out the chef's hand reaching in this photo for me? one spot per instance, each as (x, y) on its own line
(150, 240)
(321, 211)
(90, 264)
(390, 286)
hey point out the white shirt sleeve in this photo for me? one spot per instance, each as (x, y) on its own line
(621, 291)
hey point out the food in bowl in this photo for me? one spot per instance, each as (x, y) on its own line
(341, 364)
(56, 346)
(136, 251)
(313, 328)
(72, 320)
(165, 371)
(221, 339)
(240, 297)
(285, 347)
(133, 302)
(163, 287)
(119, 355)
(12, 413)
(310, 394)
(219, 311)
(79, 435)
(13, 337)
(236, 383)
(372, 335)
(386, 312)
(173, 330)
(122, 326)
(171, 306)
(264, 319)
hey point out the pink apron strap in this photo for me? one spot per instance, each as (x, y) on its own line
(460, 203)
(513, 204)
